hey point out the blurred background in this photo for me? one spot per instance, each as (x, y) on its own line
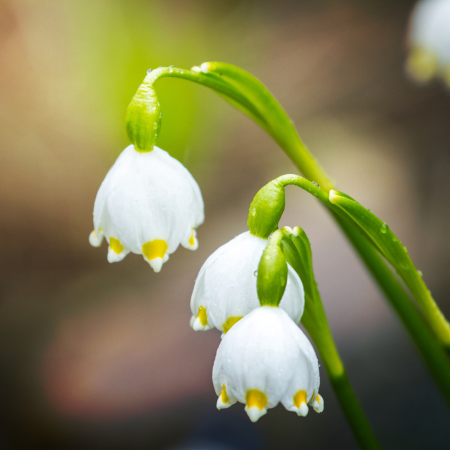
(99, 355)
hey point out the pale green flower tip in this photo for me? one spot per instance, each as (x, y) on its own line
(292, 231)
(205, 67)
(288, 230)
(333, 195)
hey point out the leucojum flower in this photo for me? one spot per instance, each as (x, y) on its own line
(225, 289)
(148, 203)
(266, 359)
(429, 41)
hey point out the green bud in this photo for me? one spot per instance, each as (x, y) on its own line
(143, 119)
(266, 209)
(272, 273)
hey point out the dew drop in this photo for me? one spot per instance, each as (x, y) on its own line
(419, 272)
(149, 70)
(383, 228)
(255, 273)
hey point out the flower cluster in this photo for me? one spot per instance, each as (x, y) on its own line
(149, 204)
(429, 41)
(264, 357)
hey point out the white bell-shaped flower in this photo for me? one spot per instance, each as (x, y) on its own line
(264, 360)
(148, 204)
(429, 40)
(225, 289)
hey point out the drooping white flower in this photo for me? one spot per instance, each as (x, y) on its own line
(264, 360)
(429, 40)
(225, 289)
(148, 204)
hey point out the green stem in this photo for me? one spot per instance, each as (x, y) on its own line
(297, 251)
(386, 242)
(432, 352)
(318, 329)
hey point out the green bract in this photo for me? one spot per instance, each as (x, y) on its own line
(266, 209)
(272, 273)
(143, 119)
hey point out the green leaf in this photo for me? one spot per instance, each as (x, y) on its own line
(393, 250)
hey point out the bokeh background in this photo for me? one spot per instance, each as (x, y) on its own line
(99, 355)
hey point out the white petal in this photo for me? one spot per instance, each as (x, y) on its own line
(226, 284)
(221, 405)
(116, 257)
(190, 242)
(155, 264)
(303, 410)
(318, 405)
(255, 413)
(197, 326)
(96, 238)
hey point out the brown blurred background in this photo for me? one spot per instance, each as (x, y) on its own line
(99, 355)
